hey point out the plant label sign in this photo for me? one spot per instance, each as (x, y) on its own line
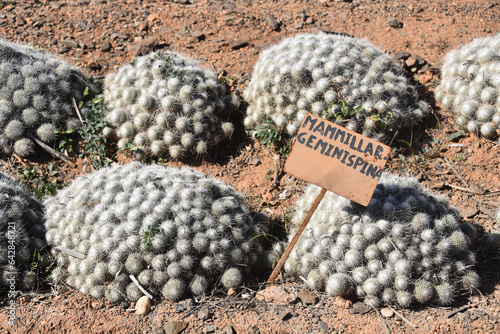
(337, 159)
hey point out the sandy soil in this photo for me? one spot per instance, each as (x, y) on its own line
(227, 36)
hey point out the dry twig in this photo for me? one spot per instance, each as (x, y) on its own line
(70, 252)
(403, 318)
(463, 308)
(132, 277)
(77, 110)
(51, 150)
(456, 172)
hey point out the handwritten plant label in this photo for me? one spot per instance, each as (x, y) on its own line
(337, 159)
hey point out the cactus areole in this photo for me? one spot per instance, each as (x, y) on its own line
(338, 159)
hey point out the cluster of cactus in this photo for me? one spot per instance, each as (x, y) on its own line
(22, 237)
(37, 91)
(493, 239)
(407, 246)
(470, 85)
(175, 230)
(318, 73)
(163, 103)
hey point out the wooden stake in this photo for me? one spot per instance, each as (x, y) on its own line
(296, 236)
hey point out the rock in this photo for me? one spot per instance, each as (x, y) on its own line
(143, 306)
(69, 43)
(93, 65)
(158, 330)
(105, 46)
(227, 330)
(152, 17)
(342, 303)
(204, 314)
(420, 61)
(165, 29)
(394, 23)
(236, 45)
(403, 55)
(20, 22)
(146, 45)
(276, 294)
(410, 62)
(307, 297)
(209, 329)
(198, 35)
(323, 326)
(284, 316)
(271, 22)
(360, 308)
(386, 312)
(174, 327)
(184, 305)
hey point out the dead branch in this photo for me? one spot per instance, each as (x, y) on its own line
(403, 318)
(51, 150)
(463, 308)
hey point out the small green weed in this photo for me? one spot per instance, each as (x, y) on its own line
(41, 180)
(169, 69)
(269, 174)
(380, 117)
(66, 141)
(91, 131)
(344, 113)
(148, 234)
(270, 135)
(39, 264)
(286, 217)
(128, 150)
(269, 237)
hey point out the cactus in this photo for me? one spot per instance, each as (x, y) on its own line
(416, 252)
(36, 96)
(22, 242)
(344, 79)
(470, 85)
(165, 104)
(175, 230)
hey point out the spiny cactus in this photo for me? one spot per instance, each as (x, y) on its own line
(175, 230)
(493, 239)
(36, 96)
(320, 72)
(470, 85)
(407, 246)
(164, 104)
(22, 237)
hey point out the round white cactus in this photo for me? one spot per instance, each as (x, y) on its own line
(175, 230)
(406, 246)
(341, 78)
(22, 236)
(470, 85)
(165, 104)
(36, 97)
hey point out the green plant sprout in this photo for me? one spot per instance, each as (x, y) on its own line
(91, 131)
(148, 234)
(271, 135)
(42, 182)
